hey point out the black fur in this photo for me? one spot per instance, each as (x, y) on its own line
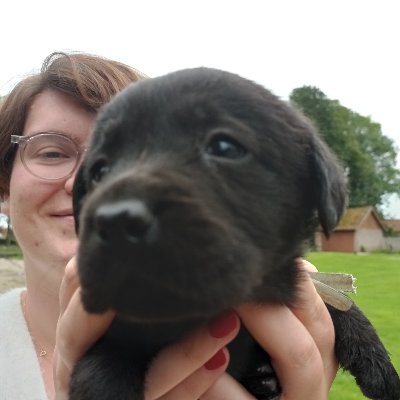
(197, 193)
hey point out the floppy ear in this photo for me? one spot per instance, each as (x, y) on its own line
(78, 193)
(331, 191)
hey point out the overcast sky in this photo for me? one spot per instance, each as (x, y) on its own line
(347, 48)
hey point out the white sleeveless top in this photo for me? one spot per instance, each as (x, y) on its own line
(20, 375)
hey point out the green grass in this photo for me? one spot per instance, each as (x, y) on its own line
(378, 295)
(11, 250)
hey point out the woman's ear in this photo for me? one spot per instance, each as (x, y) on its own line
(5, 205)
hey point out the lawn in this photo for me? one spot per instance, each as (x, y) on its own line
(378, 295)
(10, 251)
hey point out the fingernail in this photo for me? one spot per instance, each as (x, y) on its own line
(223, 326)
(216, 361)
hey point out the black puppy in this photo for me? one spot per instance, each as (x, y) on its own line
(197, 193)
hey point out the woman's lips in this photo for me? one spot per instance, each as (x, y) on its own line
(65, 215)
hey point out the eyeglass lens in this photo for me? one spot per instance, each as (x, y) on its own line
(50, 156)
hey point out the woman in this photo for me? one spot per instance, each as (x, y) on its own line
(39, 324)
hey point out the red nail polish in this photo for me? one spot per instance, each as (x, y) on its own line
(223, 325)
(216, 361)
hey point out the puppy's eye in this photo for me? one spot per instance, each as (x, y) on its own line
(226, 147)
(98, 170)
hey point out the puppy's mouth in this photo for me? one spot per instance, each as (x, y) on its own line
(152, 301)
(157, 306)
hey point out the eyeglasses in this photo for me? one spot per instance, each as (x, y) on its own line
(49, 155)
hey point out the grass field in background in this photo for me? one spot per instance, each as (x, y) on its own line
(378, 295)
(10, 251)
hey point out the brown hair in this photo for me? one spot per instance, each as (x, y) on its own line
(88, 79)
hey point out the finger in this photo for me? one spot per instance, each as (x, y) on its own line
(201, 380)
(61, 371)
(312, 312)
(294, 354)
(188, 355)
(71, 346)
(61, 377)
(226, 387)
(306, 265)
(69, 284)
(310, 308)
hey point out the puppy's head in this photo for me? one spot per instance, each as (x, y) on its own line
(197, 192)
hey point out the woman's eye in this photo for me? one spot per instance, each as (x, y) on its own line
(225, 147)
(51, 155)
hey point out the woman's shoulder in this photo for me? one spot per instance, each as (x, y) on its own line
(18, 360)
(11, 298)
(10, 309)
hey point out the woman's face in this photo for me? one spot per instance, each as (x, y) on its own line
(40, 210)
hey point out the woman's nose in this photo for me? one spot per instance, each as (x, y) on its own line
(69, 183)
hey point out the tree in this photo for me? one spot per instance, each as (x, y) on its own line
(369, 157)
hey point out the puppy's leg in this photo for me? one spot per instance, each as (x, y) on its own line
(251, 366)
(360, 351)
(104, 373)
(261, 381)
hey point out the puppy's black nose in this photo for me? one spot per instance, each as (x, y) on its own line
(128, 220)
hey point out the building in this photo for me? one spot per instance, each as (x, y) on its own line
(359, 230)
(393, 238)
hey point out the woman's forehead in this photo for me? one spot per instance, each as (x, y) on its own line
(53, 111)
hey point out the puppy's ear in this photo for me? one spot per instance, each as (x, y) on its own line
(330, 185)
(78, 193)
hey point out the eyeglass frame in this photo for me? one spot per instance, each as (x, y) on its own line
(23, 140)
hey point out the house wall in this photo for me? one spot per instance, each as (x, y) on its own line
(370, 223)
(369, 236)
(369, 240)
(342, 241)
(392, 243)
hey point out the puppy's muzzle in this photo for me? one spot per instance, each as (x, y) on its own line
(128, 221)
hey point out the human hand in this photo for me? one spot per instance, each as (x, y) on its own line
(184, 370)
(300, 341)
(189, 368)
(70, 346)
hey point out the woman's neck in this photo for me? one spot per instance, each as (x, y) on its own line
(42, 303)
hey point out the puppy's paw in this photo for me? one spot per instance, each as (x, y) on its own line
(262, 382)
